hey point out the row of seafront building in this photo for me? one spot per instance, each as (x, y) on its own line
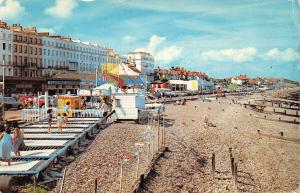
(32, 59)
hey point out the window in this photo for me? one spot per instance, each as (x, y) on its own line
(9, 59)
(35, 51)
(15, 60)
(30, 50)
(20, 60)
(15, 37)
(20, 48)
(3, 46)
(35, 40)
(40, 51)
(9, 47)
(15, 48)
(25, 60)
(25, 49)
(30, 40)
(25, 39)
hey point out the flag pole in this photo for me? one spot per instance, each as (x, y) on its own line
(3, 87)
(97, 76)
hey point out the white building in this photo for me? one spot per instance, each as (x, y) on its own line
(237, 81)
(91, 56)
(6, 42)
(59, 55)
(144, 61)
(63, 54)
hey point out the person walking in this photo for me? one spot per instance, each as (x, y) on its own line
(17, 138)
(59, 122)
(65, 119)
(5, 144)
(49, 119)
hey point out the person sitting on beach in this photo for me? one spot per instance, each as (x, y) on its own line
(207, 123)
(65, 119)
(59, 122)
(18, 139)
(49, 119)
(5, 144)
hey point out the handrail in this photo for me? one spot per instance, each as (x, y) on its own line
(34, 115)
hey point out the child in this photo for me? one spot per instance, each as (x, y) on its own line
(17, 139)
(5, 144)
(59, 122)
(65, 119)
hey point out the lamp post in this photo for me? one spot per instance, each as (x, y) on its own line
(3, 86)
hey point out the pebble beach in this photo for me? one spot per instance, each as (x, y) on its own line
(266, 161)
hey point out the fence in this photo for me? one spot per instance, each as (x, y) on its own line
(33, 115)
(134, 164)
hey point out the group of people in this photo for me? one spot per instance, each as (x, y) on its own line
(31, 102)
(61, 119)
(11, 140)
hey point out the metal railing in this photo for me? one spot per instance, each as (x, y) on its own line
(33, 115)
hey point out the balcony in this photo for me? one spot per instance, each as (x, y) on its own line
(58, 67)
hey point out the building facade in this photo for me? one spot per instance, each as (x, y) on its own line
(6, 43)
(27, 51)
(91, 56)
(144, 61)
(59, 55)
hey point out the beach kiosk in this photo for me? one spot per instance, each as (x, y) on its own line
(75, 101)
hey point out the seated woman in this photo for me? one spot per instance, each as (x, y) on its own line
(5, 144)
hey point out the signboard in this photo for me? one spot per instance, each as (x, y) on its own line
(23, 86)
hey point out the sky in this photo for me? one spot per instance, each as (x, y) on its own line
(223, 38)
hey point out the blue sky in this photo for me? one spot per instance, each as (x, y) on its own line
(220, 37)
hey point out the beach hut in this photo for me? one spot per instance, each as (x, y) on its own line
(128, 105)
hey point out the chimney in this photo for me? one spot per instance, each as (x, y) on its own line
(16, 27)
(3, 24)
(43, 33)
(31, 29)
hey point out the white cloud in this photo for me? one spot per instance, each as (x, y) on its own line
(154, 42)
(87, 0)
(287, 55)
(163, 55)
(44, 29)
(236, 55)
(62, 8)
(141, 50)
(10, 9)
(128, 39)
(168, 54)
